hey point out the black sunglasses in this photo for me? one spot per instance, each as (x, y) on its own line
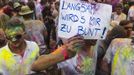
(15, 38)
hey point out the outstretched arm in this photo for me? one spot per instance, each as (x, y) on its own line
(46, 61)
(60, 54)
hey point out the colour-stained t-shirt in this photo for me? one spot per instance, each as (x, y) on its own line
(14, 64)
(81, 64)
(121, 56)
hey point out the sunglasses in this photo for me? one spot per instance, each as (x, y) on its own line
(15, 38)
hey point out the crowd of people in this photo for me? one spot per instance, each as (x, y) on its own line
(29, 44)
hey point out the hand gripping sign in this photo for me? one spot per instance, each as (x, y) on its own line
(86, 19)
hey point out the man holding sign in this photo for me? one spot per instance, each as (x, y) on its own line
(79, 18)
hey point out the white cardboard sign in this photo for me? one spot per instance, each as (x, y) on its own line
(89, 20)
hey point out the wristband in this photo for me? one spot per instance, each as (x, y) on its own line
(65, 54)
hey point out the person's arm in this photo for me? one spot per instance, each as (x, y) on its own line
(46, 61)
(60, 54)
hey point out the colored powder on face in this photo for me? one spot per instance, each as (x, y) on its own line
(13, 31)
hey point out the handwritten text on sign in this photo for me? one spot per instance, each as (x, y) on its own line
(89, 20)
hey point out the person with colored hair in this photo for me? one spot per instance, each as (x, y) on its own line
(18, 54)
